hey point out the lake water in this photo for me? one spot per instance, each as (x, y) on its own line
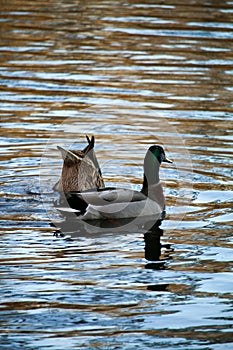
(132, 73)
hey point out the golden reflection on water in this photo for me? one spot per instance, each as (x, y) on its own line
(132, 73)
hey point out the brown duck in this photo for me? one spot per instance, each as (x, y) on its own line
(81, 170)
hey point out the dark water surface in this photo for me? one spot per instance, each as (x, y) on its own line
(133, 73)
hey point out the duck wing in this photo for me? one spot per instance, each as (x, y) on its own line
(106, 196)
(89, 176)
(81, 170)
(111, 203)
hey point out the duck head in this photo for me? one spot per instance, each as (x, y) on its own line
(156, 153)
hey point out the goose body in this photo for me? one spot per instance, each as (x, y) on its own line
(120, 203)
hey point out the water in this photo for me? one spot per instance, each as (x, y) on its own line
(133, 74)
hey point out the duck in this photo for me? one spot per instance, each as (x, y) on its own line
(81, 170)
(120, 203)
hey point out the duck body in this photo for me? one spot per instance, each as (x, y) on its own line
(112, 203)
(120, 203)
(81, 170)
